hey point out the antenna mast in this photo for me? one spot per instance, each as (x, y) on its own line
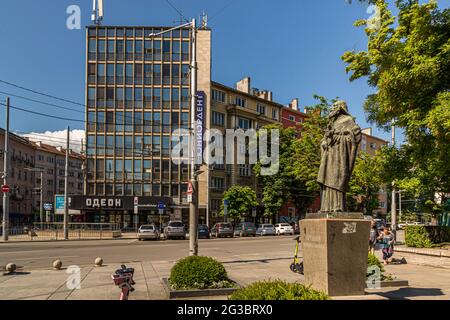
(97, 12)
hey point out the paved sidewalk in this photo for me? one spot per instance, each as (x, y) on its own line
(45, 284)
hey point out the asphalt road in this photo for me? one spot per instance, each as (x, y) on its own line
(82, 253)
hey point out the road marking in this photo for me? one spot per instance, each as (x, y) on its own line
(134, 241)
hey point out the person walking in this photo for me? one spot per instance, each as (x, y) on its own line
(373, 237)
(387, 240)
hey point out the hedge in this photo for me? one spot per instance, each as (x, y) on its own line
(277, 290)
(199, 273)
(426, 236)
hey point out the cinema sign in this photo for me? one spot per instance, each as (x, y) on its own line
(104, 203)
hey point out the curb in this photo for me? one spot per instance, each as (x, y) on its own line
(425, 252)
(176, 294)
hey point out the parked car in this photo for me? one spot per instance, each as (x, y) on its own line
(245, 229)
(222, 230)
(149, 231)
(175, 230)
(284, 228)
(203, 231)
(266, 230)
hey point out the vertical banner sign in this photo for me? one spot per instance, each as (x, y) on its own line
(199, 127)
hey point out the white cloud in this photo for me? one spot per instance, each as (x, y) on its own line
(58, 138)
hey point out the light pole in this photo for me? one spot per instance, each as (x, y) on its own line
(193, 207)
(393, 205)
(5, 222)
(41, 212)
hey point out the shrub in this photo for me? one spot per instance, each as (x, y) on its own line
(277, 290)
(199, 273)
(372, 260)
(426, 236)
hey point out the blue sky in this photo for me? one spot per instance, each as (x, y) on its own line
(291, 47)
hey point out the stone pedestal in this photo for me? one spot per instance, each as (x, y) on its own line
(335, 255)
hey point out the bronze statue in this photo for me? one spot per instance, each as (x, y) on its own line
(339, 151)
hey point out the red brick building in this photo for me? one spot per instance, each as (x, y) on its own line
(292, 117)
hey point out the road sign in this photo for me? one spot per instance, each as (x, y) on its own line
(190, 189)
(189, 198)
(226, 203)
(48, 206)
(161, 211)
(161, 205)
(136, 201)
(5, 189)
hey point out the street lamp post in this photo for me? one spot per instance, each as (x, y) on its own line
(193, 207)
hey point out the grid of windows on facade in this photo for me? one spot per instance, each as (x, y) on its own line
(138, 91)
(219, 96)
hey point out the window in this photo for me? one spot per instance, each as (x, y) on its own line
(128, 145)
(275, 114)
(166, 146)
(244, 170)
(92, 46)
(218, 96)
(218, 184)
(292, 118)
(218, 119)
(373, 146)
(245, 124)
(261, 109)
(241, 102)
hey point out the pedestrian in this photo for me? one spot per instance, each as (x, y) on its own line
(387, 243)
(373, 237)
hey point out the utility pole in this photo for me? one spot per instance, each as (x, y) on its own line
(5, 223)
(66, 189)
(41, 199)
(193, 207)
(393, 204)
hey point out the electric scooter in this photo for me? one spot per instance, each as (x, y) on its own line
(297, 265)
(124, 280)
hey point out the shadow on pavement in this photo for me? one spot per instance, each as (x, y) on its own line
(255, 261)
(18, 273)
(405, 293)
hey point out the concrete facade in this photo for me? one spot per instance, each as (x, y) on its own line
(52, 161)
(20, 181)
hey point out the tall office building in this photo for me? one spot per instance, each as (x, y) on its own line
(137, 95)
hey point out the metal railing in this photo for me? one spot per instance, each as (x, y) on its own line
(55, 231)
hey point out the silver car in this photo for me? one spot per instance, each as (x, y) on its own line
(266, 230)
(149, 231)
(175, 230)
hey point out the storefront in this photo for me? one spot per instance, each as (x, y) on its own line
(129, 212)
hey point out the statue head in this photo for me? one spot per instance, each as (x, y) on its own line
(339, 107)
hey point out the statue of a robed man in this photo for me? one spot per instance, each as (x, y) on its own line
(339, 151)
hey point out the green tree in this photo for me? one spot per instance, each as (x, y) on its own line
(365, 184)
(299, 162)
(241, 201)
(408, 63)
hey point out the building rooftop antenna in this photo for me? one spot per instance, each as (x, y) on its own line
(97, 12)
